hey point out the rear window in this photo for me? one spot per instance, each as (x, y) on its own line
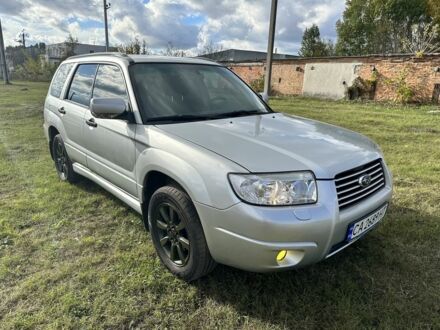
(59, 79)
(80, 90)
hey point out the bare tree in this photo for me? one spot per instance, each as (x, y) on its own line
(133, 47)
(21, 38)
(424, 40)
(210, 48)
(145, 50)
(170, 50)
(70, 43)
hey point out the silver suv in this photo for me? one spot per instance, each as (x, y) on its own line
(215, 173)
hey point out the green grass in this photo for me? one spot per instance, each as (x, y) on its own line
(73, 256)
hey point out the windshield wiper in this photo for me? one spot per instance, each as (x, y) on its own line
(178, 118)
(239, 113)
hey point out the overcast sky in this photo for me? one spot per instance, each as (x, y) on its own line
(187, 24)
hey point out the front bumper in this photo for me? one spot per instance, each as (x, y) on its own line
(249, 237)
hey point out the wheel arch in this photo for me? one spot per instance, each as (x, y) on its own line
(154, 180)
(52, 132)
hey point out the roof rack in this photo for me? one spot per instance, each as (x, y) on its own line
(115, 54)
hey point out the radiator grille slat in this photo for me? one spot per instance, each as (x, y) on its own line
(349, 189)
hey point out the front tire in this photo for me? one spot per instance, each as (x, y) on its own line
(63, 164)
(177, 234)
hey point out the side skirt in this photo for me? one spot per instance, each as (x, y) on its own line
(110, 187)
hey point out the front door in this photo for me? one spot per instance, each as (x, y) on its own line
(110, 143)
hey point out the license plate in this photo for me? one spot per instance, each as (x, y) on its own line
(360, 227)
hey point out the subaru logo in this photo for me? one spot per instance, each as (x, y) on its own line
(364, 180)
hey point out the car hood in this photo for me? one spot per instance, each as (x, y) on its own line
(280, 143)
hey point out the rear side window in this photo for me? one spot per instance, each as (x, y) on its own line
(109, 82)
(59, 79)
(80, 90)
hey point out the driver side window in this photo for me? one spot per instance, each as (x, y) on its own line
(110, 83)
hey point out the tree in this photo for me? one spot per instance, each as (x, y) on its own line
(170, 50)
(434, 10)
(312, 45)
(133, 47)
(379, 26)
(70, 43)
(210, 48)
(424, 39)
(145, 50)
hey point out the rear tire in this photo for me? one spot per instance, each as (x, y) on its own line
(63, 164)
(177, 234)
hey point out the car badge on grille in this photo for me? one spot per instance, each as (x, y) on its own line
(364, 180)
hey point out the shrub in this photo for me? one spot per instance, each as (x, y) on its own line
(257, 84)
(404, 92)
(34, 70)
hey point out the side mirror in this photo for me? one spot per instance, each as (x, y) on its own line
(107, 108)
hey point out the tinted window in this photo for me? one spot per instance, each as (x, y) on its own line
(109, 82)
(188, 89)
(59, 79)
(80, 90)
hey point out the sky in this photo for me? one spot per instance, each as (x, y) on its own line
(186, 24)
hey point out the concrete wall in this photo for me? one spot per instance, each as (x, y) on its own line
(295, 76)
(329, 80)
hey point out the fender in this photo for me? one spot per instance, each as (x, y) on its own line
(188, 164)
(51, 119)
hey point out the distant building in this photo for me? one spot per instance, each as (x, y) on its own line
(238, 55)
(55, 53)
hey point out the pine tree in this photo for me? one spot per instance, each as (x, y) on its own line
(312, 45)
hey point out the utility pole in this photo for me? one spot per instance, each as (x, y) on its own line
(268, 76)
(22, 38)
(106, 7)
(3, 57)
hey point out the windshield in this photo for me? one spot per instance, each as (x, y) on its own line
(171, 91)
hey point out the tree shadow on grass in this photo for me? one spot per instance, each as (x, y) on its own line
(356, 287)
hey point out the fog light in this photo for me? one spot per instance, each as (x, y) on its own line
(281, 255)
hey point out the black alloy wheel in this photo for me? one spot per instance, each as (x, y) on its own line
(63, 164)
(177, 234)
(172, 234)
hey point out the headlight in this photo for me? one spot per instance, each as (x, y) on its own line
(275, 189)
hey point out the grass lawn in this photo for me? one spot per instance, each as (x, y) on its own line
(73, 256)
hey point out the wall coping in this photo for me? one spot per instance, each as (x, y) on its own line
(349, 59)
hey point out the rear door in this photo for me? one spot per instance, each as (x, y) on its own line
(74, 107)
(110, 142)
(53, 106)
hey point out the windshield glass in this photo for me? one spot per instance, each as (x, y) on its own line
(185, 91)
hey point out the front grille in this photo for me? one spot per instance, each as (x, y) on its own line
(349, 189)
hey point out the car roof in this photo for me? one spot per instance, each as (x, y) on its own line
(118, 57)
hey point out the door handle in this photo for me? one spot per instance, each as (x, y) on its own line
(61, 110)
(91, 122)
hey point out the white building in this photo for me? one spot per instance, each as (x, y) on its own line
(55, 53)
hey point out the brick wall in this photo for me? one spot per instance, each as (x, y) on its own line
(421, 76)
(288, 75)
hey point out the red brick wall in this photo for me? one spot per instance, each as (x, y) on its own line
(288, 75)
(421, 77)
(287, 78)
